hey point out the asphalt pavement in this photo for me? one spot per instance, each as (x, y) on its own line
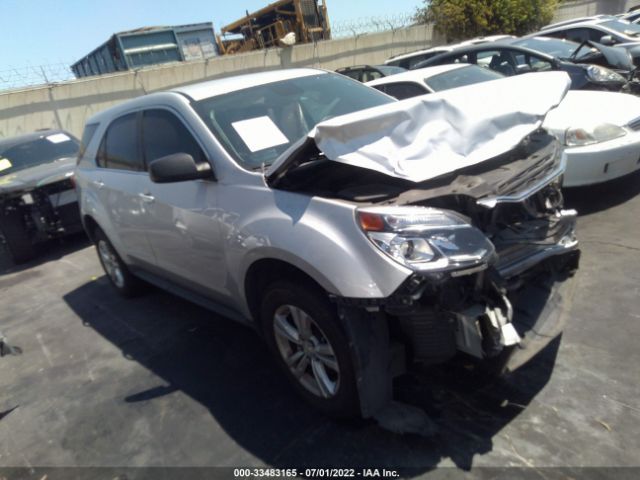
(156, 381)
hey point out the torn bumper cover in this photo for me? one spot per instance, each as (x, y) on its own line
(482, 315)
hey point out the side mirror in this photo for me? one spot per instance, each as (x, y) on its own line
(178, 167)
(607, 40)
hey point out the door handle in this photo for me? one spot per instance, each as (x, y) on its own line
(98, 183)
(146, 197)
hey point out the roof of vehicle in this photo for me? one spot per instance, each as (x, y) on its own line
(449, 47)
(9, 142)
(418, 75)
(591, 20)
(211, 88)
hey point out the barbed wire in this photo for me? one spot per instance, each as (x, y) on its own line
(359, 26)
(31, 75)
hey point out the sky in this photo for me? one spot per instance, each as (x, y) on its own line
(41, 32)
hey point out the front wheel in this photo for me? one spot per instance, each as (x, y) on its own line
(301, 328)
(124, 282)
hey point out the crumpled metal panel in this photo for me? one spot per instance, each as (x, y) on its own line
(424, 137)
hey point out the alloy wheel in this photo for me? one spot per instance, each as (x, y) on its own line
(307, 351)
(111, 263)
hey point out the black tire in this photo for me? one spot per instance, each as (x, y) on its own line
(16, 237)
(122, 279)
(326, 330)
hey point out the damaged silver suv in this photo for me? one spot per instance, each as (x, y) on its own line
(359, 235)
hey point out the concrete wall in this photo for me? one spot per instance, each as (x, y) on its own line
(67, 105)
(582, 8)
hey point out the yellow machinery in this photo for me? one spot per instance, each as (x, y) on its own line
(281, 23)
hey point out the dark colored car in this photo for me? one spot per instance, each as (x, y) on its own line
(575, 59)
(603, 29)
(366, 73)
(37, 195)
(586, 52)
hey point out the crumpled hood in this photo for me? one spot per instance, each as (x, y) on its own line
(581, 108)
(30, 178)
(424, 137)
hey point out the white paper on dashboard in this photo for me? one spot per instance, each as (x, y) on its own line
(259, 133)
(57, 138)
(5, 164)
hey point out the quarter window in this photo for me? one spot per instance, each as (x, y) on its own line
(164, 134)
(119, 148)
(87, 135)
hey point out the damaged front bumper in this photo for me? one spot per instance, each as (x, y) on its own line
(479, 313)
(502, 327)
(501, 313)
(48, 211)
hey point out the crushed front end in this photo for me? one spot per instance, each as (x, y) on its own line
(477, 253)
(43, 211)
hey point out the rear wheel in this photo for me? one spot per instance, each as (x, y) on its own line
(16, 237)
(117, 272)
(301, 328)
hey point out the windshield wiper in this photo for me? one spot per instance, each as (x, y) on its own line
(574, 55)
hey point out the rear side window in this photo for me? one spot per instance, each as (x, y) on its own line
(577, 34)
(87, 135)
(369, 75)
(355, 74)
(413, 61)
(119, 149)
(164, 134)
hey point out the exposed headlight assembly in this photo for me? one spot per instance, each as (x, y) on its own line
(425, 239)
(588, 135)
(599, 74)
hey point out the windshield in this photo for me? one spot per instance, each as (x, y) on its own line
(257, 124)
(461, 77)
(621, 26)
(37, 152)
(558, 48)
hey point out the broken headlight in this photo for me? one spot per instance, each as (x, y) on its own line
(599, 74)
(588, 135)
(425, 239)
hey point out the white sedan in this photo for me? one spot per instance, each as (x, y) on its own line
(600, 130)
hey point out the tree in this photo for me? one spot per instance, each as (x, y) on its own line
(462, 19)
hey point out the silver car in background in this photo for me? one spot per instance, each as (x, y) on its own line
(218, 193)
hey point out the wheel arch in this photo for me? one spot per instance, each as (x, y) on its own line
(90, 225)
(264, 271)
